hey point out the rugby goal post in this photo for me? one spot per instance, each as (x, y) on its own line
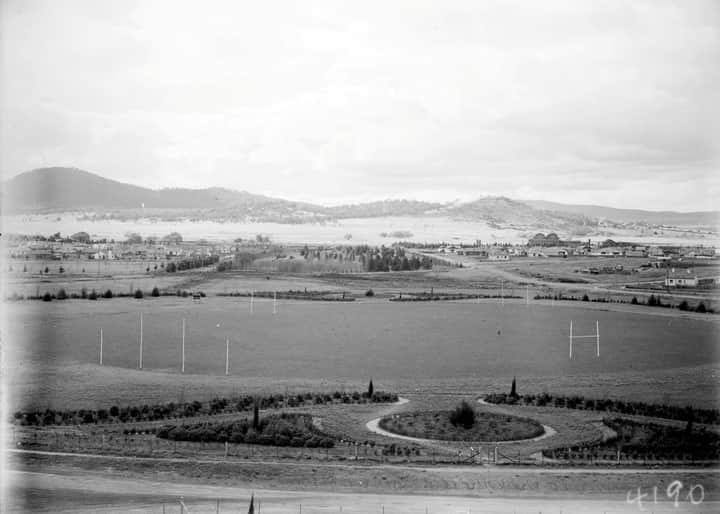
(583, 338)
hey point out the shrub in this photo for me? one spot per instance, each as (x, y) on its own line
(108, 294)
(463, 415)
(47, 297)
(683, 306)
(700, 308)
(62, 295)
(155, 292)
(138, 293)
(369, 292)
(93, 295)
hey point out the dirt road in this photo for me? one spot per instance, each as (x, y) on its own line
(48, 492)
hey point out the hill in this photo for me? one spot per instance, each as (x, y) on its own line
(699, 218)
(71, 189)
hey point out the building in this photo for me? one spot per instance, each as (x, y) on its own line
(681, 278)
(556, 251)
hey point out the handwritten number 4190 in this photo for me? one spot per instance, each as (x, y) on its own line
(695, 494)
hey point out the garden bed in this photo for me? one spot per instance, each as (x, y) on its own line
(438, 425)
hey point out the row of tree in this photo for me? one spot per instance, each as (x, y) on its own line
(708, 416)
(171, 410)
(192, 263)
(652, 301)
(372, 258)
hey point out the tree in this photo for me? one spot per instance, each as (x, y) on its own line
(256, 415)
(62, 295)
(80, 237)
(138, 293)
(172, 238)
(369, 292)
(108, 294)
(463, 415)
(133, 238)
(93, 295)
(371, 389)
(634, 300)
(47, 270)
(683, 306)
(700, 307)
(47, 297)
(155, 292)
(585, 298)
(61, 270)
(513, 389)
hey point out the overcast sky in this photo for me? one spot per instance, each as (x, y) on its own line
(613, 103)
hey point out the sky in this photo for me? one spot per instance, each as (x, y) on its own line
(610, 103)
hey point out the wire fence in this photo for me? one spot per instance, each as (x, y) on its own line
(148, 445)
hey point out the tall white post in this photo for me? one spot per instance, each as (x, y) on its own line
(227, 356)
(275, 303)
(571, 339)
(597, 335)
(101, 346)
(141, 341)
(182, 365)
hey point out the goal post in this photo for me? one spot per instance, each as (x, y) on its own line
(586, 338)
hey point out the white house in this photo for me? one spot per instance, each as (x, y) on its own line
(681, 279)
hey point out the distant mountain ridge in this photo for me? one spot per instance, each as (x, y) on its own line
(631, 215)
(71, 189)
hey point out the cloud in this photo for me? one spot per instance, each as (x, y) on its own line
(332, 102)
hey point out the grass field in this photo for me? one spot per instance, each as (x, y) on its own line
(434, 345)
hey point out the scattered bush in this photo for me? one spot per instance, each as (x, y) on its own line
(286, 429)
(708, 416)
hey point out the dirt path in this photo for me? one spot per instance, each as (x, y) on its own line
(44, 492)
